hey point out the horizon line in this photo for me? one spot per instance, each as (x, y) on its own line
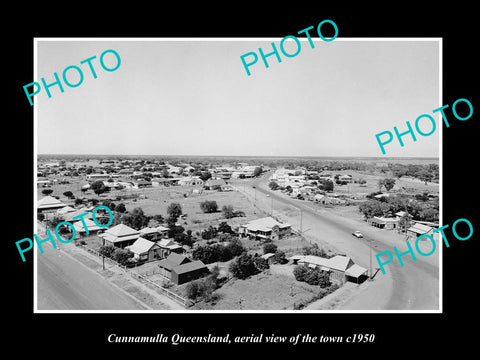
(250, 156)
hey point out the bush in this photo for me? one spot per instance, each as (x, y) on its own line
(122, 256)
(280, 258)
(299, 272)
(261, 263)
(223, 227)
(269, 248)
(120, 208)
(273, 185)
(40, 217)
(107, 250)
(209, 233)
(235, 247)
(228, 211)
(174, 210)
(78, 201)
(47, 191)
(216, 252)
(209, 206)
(110, 204)
(311, 276)
(198, 289)
(243, 266)
(315, 251)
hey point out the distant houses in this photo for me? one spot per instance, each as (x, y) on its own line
(215, 184)
(381, 222)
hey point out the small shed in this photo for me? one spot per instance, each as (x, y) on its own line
(269, 257)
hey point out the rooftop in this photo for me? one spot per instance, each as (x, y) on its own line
(141, 246)
(49, 202)
(264, 224)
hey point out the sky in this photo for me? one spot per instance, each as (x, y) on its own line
(193, 97)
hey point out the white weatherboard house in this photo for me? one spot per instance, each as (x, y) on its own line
(144, 250)
(265, 228)
(341, 268)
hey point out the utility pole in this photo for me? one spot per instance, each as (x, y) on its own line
(103, 254)
(301, 221)
(370, 260)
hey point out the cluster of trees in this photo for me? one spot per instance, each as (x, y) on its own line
(311, 276)
(244, 266)
(423, 210)
(47, 192)
(229, 212)
(279, 257)
(136, 218)
(122, 256)
(99, 187)
(273, 185)
(212, 232)
(177, 232)
(203, 289)
(69, 195)
(325, 185)
(316, 251)
(209, 206)
(218, 252)
(388, 183)
(428, 172)
(114, 207)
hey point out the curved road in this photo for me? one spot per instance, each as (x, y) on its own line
(414, 286)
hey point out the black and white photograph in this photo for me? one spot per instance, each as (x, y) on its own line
(298, 181)
(237, 192)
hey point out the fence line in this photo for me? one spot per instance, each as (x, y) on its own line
(134, 274)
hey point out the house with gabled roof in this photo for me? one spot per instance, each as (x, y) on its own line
(49, 204)
(89, 225)
(215, 184)
(120, 236)
(264, 229)
(168, 246)
(179, 269)
(144, 250)
(420, 229)
(341, 268)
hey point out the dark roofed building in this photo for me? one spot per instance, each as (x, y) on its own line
(188, 272)
(180, 269)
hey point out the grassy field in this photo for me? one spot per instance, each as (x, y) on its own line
(264, 291)
(404, 184)
(155, 200)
